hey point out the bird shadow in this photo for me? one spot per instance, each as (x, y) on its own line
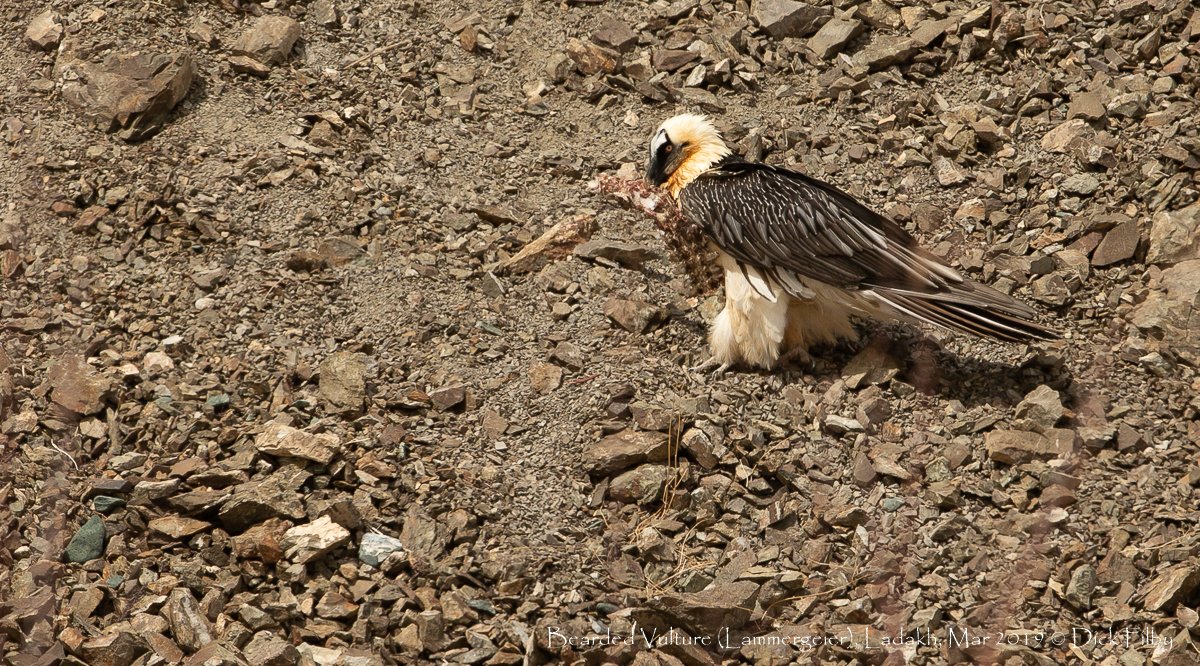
(934, 370)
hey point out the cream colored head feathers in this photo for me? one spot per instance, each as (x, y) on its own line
(682, 148)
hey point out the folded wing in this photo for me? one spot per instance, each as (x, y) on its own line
(790, 227)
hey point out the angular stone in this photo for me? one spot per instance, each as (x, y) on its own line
(262, 541)
(1051, 289)
(1040, 410)
(545, 377)
(281, 440)
(304, 543)
(712, 611)
(325, 13)
(1128, 105)
(625, 449)
(840, 425)
(216, 654)
(948, 173)
(177, 527)
(447, 398)
(423, 536)
(88, 542)
(1175, 236)
(569, 355)
(834, 36)
(149, 492)
(698, 443)
(1059, 139)
(616, 34)
(633, 316)
(255, 501)
(629, 255)
(641, 485)
(375, 548)
(1119, 244)
(112, 648)
(157, 363)
(1165, 591)
(670, 60)
(592, 58)
(1174, 308)
(343, 383)
(267, 649)
(334, 606)
(77, 386)
(885, 51)
(1014, 447)
(130, 93)
(269, 40)
(44, 31)
(190, 629)
(248, 65)
(652, 416)
(874, 364)
(928, 31)
(1081, 183)
(106, 504)
(788, 18)
(1086, 105)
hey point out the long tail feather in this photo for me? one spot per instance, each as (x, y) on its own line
(988, 320)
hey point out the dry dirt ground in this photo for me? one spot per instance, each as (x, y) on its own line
(245, 358)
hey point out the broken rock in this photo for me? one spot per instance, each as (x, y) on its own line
(375, 548)
(281, 440)
(616, 34)
(633, 316)
(1175, 236)
(177, 527)
(711, 611)
(1119, 244)
(788, 18)
(1059, 139)
(77, 386)
(629, 255)
(112, 648)
(545, 377)
(591, 58)
(1040, 410)
(189, 627)
(886, 51)
(304, 543)
(267, 649)
(44, 31)
(624, 450)
(1014, 447)
(88, 542)
(130, 93)
(1169, 587)
(269, 41)
(834, 36)
(641, 485)
(448, 397)
(343, 383)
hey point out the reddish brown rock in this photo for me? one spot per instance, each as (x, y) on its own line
(77, 386)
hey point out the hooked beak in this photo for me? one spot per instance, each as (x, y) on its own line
(659, 168)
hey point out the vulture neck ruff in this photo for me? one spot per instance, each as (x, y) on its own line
(705, 148)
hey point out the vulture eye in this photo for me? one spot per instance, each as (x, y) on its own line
(668, 148)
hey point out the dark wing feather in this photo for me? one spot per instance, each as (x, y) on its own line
(783, 222)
